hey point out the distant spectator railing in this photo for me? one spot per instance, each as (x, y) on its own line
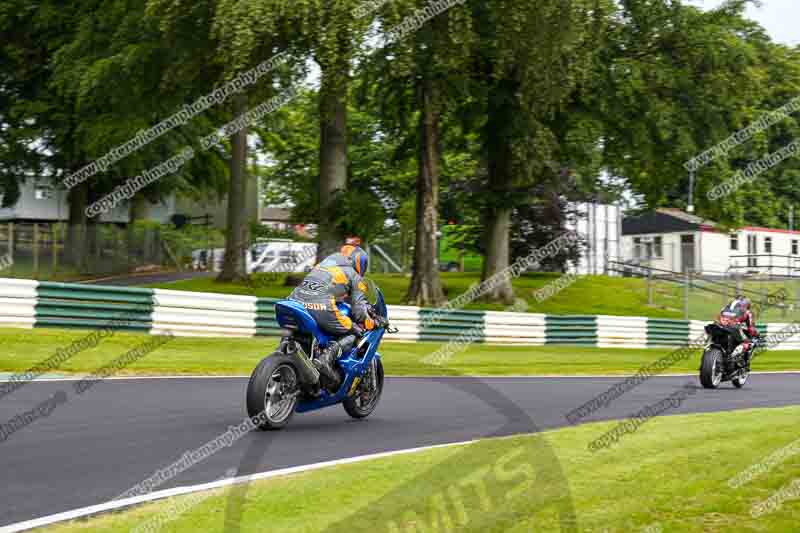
(773, 265)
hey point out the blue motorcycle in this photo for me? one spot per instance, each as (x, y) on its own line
(287, 381)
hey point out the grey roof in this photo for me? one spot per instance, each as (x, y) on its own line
(278, 214)
(683, 215)
(664, 220)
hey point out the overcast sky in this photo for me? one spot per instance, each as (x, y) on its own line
(779, 17)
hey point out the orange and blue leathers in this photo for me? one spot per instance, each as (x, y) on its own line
(338, 278)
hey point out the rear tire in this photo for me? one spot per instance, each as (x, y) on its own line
(354, 405)
(273, 391)
(711, 368)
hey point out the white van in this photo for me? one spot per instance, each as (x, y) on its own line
(275, 255)
(282, 256)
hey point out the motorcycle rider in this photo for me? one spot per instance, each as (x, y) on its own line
(738, 314)
(338, 278)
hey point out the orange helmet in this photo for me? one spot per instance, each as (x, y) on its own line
(359, 257)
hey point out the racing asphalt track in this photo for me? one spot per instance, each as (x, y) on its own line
(97, 445)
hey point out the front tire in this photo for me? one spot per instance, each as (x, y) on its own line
(273, 391)
(366, 398)
(741, 379)
(711, 368)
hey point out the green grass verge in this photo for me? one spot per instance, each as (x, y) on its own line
(671, 475)
(23, 269)
(608, 295)
(21, 349)
(589, 295)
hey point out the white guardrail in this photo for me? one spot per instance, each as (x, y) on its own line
(28, 304)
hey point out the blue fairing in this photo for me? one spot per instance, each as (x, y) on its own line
(293, 316)
(353, 366)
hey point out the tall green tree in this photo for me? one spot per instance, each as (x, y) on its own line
(248, 33)
(87, 77)
(378, 182)
(672, 81)
(331, 32)
(116, 75)
(529, 63)
(37, 123)
(232, 37)
(425, 69)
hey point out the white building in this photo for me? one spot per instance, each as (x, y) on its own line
(42, 201)
(673, 240)
(600, 227)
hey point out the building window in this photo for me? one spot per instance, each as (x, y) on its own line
(794, 246)
(43, 191)
(734, 241)
(767, 245)
(752, 250)
(688, 253)
(658, 249)
(637, 248)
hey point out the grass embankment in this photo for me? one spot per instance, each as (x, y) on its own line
(21, 349)
(672, 476)
(589, 295)
(23, 269)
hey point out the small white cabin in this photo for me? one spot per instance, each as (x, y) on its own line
(673, 240)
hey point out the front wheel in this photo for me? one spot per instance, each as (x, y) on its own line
(273, 391)
(366, 396)
(711, 368)
(741, 379)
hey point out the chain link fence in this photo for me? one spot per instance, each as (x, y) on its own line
(54, 251)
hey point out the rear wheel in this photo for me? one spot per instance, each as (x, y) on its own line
(273, 391)
(368, 393)
(711, 368)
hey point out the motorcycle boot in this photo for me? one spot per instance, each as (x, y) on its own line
(326, 362)
(748, 354)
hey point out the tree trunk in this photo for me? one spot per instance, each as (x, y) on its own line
(332, 162)
(136, 212)
(92, 246)
(236, 233)
(76, 246)
(496, 242)
(497, 216)
(426, 287)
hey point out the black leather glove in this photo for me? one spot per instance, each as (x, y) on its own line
(380, 322)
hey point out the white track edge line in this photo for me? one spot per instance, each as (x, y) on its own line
(178, 491)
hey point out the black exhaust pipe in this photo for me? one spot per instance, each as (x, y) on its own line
(309, 375)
